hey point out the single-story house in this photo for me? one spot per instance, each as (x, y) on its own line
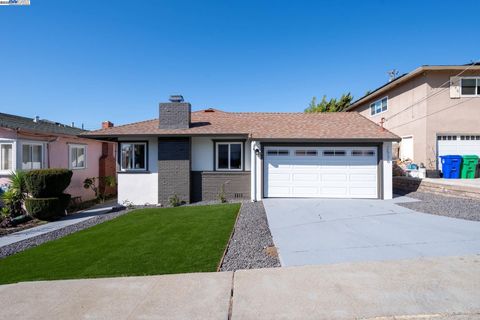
(33, 143)
(434, 109)
(250, 155)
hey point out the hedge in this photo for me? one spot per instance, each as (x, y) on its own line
(47, 183)
(47, 208)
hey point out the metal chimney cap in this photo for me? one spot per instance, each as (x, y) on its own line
(176, 98)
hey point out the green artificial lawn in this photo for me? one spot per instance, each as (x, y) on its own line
(143, 242)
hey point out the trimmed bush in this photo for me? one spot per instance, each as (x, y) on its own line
(47, 183)
(64, 200)
(45, 208)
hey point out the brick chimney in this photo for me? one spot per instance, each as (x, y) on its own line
(107, 124)
(175, 114)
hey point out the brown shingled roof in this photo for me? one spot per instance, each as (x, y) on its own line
(260, 125)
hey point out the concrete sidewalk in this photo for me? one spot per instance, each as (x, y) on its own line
(56, 225)
(436, 288)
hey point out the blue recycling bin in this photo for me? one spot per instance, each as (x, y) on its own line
(451, 166)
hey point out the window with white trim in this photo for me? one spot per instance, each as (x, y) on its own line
(379, 106)
(6, 156)
(32, 156)
(229, 156)
(133, 156)
(77, 156)
(470, 86)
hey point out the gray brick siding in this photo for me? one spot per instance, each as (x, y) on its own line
(173, 169)
(174, 115)
(206, 185)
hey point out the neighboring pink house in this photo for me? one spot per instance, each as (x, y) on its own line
(27, 143)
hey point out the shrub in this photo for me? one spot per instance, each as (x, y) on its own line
(12, 197)
(45, 208)
(174, 201)
(95, 182)
(45, 183)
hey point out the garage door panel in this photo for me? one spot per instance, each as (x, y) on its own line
(342, 175)
(280, 191)
(362, 177)
(364, 192)
(334, 191)
(457, 145)
(299, 177)
(305, 191)
(279, 177)
(334, 177)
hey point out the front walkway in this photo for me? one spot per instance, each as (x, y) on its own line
(441, 288)
(55, 225)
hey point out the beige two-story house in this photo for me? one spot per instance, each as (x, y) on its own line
(434, 109)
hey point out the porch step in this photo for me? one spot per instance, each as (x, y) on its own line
(463, 188)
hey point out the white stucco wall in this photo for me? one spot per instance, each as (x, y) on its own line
(387, 171)
(141, 188)
(202, 153)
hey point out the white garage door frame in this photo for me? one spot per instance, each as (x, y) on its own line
(377, 146)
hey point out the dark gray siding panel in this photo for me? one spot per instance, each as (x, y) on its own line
(206, 185)
(173, 169)
(196, 186)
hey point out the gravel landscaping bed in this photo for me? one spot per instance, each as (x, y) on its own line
(56, 234)
(251, 245)
(468, 209)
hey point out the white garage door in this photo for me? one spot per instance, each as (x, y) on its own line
(310, 172)
(457, 145)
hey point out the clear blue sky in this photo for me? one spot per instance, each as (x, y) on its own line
(88, 61)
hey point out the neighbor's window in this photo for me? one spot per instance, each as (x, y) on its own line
(78, 156)
(32, 156)
(6, 156)
(470, 86)
(229, 156)
(133, 156)
(379, 106)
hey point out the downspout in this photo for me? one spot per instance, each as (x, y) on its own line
(255, 175)
(252, 150)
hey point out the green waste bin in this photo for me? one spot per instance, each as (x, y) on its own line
(469, 166)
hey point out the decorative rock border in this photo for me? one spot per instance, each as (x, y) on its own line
(251, 245)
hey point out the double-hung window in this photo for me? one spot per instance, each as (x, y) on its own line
(470, 86)
(133, 156)
(229, 156)
(6, 156)
(77, 156)
(379, 106)
(32, 156)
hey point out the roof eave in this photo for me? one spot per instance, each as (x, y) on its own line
(405, 78)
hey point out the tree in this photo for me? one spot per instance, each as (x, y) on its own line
(332, 105)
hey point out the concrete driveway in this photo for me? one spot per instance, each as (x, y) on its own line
(323, 231)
